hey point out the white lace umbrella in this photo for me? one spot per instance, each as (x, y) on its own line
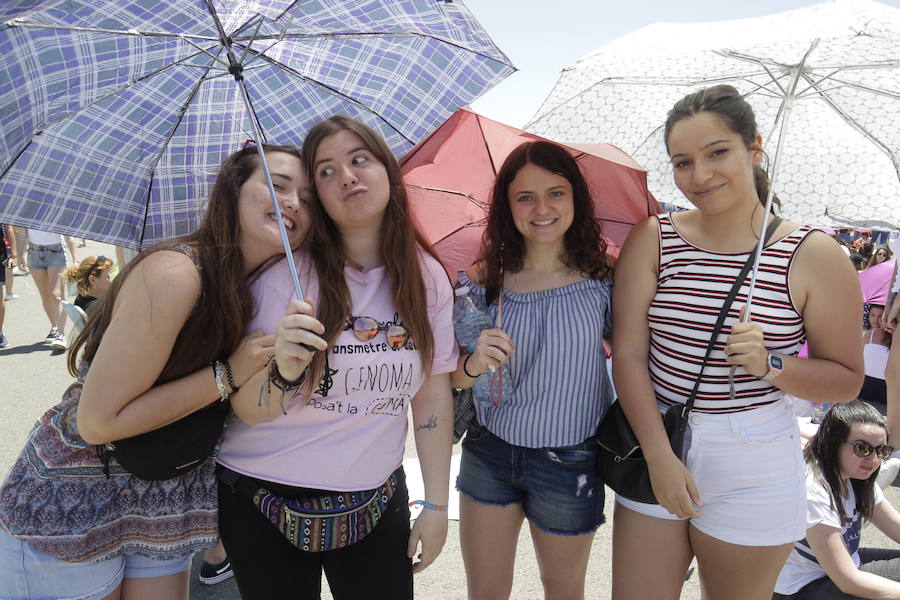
(824, 82)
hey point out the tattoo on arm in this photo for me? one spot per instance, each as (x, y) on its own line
(431, 423)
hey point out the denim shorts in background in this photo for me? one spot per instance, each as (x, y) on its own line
(559, 489)
(46, 257)
(29, 574)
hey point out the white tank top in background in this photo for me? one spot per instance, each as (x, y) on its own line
(44, 238)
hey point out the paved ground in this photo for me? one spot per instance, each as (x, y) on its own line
(32, 379)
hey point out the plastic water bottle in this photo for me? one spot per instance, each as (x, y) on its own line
(819, 410)
(468, 323)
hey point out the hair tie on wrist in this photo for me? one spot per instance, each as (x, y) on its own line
(424, 504)
(466, 370)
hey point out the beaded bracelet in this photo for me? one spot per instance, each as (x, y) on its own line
(424, 504)
(229, 375)
(275, 379)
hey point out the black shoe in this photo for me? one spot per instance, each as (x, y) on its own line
(212, 574)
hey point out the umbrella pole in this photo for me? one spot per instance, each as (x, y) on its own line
(788, 104)
(237, 71)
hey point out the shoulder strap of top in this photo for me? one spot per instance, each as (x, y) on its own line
(185, 249)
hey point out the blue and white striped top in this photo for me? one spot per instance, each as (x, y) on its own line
(558, 368)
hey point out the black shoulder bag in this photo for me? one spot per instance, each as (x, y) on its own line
(620, 460)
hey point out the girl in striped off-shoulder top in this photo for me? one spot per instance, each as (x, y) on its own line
(531, 454)
(738, 501)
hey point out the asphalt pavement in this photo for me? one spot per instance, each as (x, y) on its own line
(32, 378)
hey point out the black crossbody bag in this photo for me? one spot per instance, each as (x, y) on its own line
(621, 462)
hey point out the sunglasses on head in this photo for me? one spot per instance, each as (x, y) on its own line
(366, 328)
(101, 260)
(865, 449)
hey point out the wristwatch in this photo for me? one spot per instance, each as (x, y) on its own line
(776, 366)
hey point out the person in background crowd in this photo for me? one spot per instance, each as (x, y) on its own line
(842, 461)
(315, 429)
(737, 500)
(865, 237)
(7, 257)
(12, 256)
(529, 454)
(92, 279)
(72, 527)
(46, 262)
(881, 254)
(859, 262)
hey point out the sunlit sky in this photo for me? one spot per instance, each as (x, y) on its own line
(541, 38)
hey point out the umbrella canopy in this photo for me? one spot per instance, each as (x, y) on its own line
(115, 114)
(449, 177)
(833, 68)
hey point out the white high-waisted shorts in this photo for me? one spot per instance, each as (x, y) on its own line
(749, 470)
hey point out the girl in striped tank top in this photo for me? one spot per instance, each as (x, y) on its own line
(738, 501)
(531, 453)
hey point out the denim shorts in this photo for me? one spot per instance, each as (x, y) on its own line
(559, 489)
(29, 574)
(46, 257)
(749, 470)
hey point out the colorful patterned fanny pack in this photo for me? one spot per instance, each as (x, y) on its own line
(321, 523)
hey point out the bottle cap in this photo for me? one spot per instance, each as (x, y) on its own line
(462, 290)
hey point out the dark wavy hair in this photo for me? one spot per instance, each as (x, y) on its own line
(725, 102)
(823, 453)
(401, 244)
(217, 323)
(503, 247)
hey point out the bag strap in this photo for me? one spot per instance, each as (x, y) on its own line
(726, 307)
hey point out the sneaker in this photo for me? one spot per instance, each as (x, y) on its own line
(10, 296)
(59, 342)
(212, 574)
(4, 341)
(54, 333)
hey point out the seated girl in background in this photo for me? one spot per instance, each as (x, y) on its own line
(843, 459)
(92, 279)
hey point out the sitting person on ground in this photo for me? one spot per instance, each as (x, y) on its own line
(843, 460)
(92, 278)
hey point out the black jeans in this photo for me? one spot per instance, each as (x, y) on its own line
(885, 563)
(266, 565)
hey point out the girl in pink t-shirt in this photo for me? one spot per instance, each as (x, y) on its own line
(323, 431)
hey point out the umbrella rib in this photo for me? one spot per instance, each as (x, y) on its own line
(18, 155)
(280, 38)
(857, 126)
(486, 147)
(135, 32)
(364, 34)
(162, 147)
(119, 89)
(469, 197)
(330, 90)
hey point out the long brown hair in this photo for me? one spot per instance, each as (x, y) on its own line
(401, 243)
(225, 305)
(503, 247)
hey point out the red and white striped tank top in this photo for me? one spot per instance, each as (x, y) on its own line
(692, 286)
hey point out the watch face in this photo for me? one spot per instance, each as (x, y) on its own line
(775, 362)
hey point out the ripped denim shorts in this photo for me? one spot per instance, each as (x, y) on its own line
(559, 489)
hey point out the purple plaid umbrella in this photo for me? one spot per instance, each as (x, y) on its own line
(114, 114)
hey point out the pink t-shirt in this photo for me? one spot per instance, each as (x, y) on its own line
(354, 437)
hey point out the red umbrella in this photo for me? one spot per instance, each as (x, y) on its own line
(449, 177)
